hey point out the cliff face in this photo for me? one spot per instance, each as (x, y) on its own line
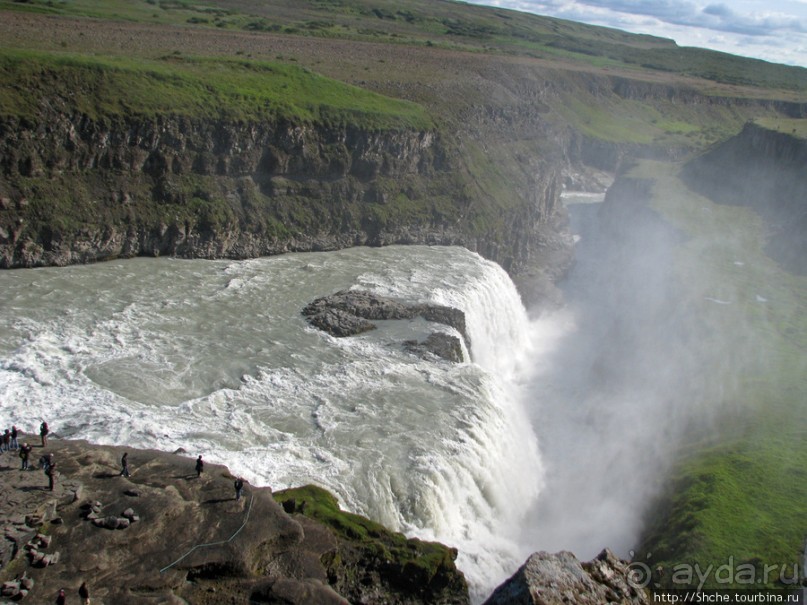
(75, 189)
(194, 188)
(765, 170)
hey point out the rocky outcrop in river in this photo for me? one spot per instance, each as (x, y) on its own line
(349, 312)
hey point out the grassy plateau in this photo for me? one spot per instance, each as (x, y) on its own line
(508, 96)
(736, 498)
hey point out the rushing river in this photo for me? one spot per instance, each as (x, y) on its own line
(215, 357)
(553, 435)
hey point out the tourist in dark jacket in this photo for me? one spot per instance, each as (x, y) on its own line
(46, 462)
(51, 473)
(199, 466)
(239, 487)
(25, 451)
(84, 593)
(43, 432)
(124, 463)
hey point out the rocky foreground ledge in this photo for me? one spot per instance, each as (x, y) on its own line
(164, 535)
(560, 578)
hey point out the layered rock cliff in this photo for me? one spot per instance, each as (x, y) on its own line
(197, 188)
(75, 189)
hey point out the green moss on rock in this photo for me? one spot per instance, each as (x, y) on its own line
(369, 554)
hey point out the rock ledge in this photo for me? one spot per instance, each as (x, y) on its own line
(560, 578)
(349, 312)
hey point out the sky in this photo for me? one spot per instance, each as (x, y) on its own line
(773, 30)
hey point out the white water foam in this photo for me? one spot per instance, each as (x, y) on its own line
(215, 358)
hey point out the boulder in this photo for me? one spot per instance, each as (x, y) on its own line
(362, 304)
(448, 316)
(36, 558)
(110, 522)
(560, 578)
(10, 588)
(337, 322)
(43, 539)
(349, 312)
(445, 346)
(34, 520)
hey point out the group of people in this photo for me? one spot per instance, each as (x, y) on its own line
(83, 592)
(8, 440)
(238, 484)
(200, 467)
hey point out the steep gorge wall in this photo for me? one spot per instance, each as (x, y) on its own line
(765, 170)
(75, 189)
(191, 188)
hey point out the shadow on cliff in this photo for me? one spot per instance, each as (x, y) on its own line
(766, 171)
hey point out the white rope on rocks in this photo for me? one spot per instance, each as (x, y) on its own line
(230, 539)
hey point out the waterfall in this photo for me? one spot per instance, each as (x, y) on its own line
(500, 453)
(214, 357)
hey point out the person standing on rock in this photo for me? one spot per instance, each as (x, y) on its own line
(200, 466)
(124, 462)
(14, 433)
(84, 593)
(239, 487)
(51, 473)
(43, 432)
(7, 440)
(61, 598)
(47, 462)
(25, 450)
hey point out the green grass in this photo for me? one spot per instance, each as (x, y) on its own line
(658, 122)
(795, 127)
(194, 87)
(737, 497)
(443, 24)
(156, 11)
(411, 556)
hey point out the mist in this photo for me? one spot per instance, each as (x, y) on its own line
(621, 386)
